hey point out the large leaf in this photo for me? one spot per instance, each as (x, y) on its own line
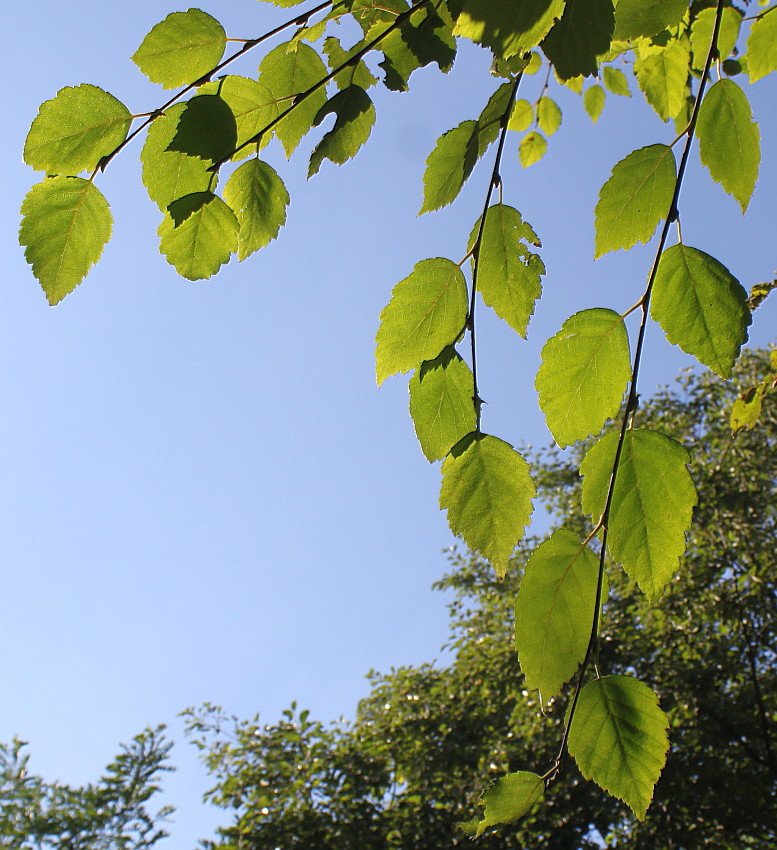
(651, 506)
(762, 47)
(74, 130)
(509, 274)
(169, 174)
(583, 34)
(634, 18)
(353, 125)
(487, 491)
(618, 739)
(289, 70)
(206, 129)
(198, 235)
(663, 77)
(449, 165)
(554, 611)
(635, 198)
(427, 311)
(701, 306)
(441, 403)
(508, 27)
(584, 373)
(253, 107)
(506, 800)
(66, 223)
(490, 119)
(704, 26)
(259, 199)
(729, 140)
(181, 48)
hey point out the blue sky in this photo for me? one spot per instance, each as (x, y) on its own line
(204, 495)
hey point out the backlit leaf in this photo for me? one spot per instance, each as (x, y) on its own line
(259, 199)
(532, 148)
(583, 34)
(198, 235)
(489, 120)
(74, 130)
(584, 373)
(618, 739)
(651, 507)
(548, 115)
(762, 47)
(66, 222)
(746, 410)
(487, 491)
(616, 81)
(427, 311)
(181, 48)
(554, 611)
(663, 77)
(729, 140)
(441, 403)
(521, 116)
(508, 27)
(506, 800)
(355, 74)
(634, 18)
(509, 274)
(206, 128)
(635, 199)
(704, 26)
(353, 125)
(701, 306)
(593, 101)
(449, 165)
(253, 107)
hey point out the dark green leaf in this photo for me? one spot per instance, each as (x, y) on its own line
(355, 74)
(634, 18)
(353, 125)
(583, 34)
(508, 27)
(206, 129)
(253, 107)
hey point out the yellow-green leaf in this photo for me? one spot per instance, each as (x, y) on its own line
(548, 115)
(616, 81)
(704, 26)
(449, 165)
(593, 101)
(762, 47)
(532, 148)
(253, 107)
(521, 116)
(663, 77)
(507, 799)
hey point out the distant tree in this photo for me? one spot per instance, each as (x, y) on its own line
(112, 814)
(409, 767)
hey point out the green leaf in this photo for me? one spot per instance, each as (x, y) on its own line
(729, 140)
(651, 506)
(663, 77)
(353, 125)
(584, 373)
(554, 611)
(449, 165)
(198, 235)
(616, 81)
(618, 739)
(490, 119)
(75, 130)
(487, 491)
(508, 27)
(66, 222)
(532, 148)
(253, 107)
(507, 799)
(168, 174)
(427, 311)
(548, 115)
(635, 199)
(521, 116)
(704, 26)
(509, 274)
(701, 306)
(289, 70)
(259, 199)
(746, 410)
(206, 129)
(357, 74)
(634, 18)
(441, 403)
(762, 47)
(181, 48)
(583, 34)
(593, 101)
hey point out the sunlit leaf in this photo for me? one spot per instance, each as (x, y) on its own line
(634, 18)
(355, 117)
(762, 48)
(355, 73)
(449, 165)
(593, 101)
(253, 107)
(548, 115)
(704, 26)
(206, 129)
(489, 120)
(616, 81)
(532, 148)
(521, 116)
(663, 77)
(507, 799)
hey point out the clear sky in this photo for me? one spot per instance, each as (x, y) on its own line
(204, 496)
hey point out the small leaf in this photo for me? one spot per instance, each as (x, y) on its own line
(635, 199)
(66, 223)
(729, 140)
(583, 34)
(181, 48)
(509, 274)
(506, 800)
(198, 235)
(73, 131)
(616, 81)
(651, 506)
(449, 165)
(487, 491)
(762, 47)
(353, 125)
(554, 611)
(521, 116)
(508, 27)
(206, 129)
(427, 311)
(532, 148)
(701, 306)
(548, 115)
(634, 18)
(746, 410)
(259, 199)
(618, 739)
(593, 101)
(490, 118)
(663, 77)
(441, 403)
(584, 373)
